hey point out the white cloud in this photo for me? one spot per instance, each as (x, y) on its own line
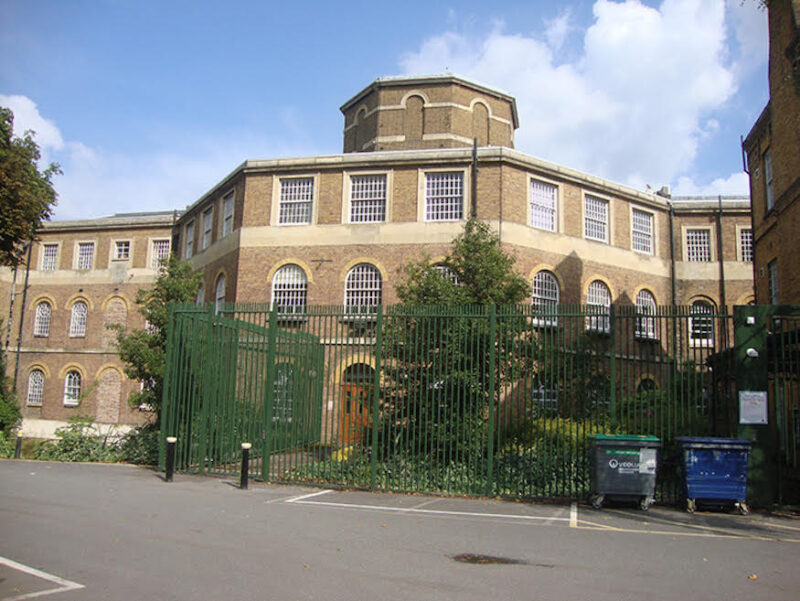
(27, 118)
(734, 184)
(633, 107)
(557, 30)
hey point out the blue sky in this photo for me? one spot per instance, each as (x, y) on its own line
(146, 104)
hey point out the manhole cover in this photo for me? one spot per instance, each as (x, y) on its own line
(486, 559)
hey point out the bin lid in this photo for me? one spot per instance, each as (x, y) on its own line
(626, 437)
(711, 442)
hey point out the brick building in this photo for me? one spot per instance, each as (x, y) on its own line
(773, 158)
(337, 230)
(82, 276)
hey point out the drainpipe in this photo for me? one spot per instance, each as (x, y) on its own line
(474, 177)
(22, 312)
(672, 253)
(720, 259)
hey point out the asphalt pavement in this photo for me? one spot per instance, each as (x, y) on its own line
(94, 532)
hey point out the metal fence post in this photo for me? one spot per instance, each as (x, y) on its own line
(612, 370)
(376, 393)
(269, 396)
(492, 388)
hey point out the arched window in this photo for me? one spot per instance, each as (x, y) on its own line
(544, 298)
(646, 385)
(701, 323)
(447, 273)
(363, 288)
(35, 387)
(646, 326)
(41, 322)
(219, 293)
(72, 388)
(201, 295)
(77, 321)
(290, 289)
(598, 307)
(414, 121)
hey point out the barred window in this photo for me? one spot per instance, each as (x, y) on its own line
(447, 273)
(160, 253)
(363, 288)
(698, 245)
(769, 190)
(746, 245)
(367, 198)
(122, 250)
(772, 269)
(35, 387)
(72, 388)
(208, 224)
(219, 293)
(595, 221)
(645, 315)
(289, 289)
(188, 250)
(85, 255)
(444, 196)
(283, 394)
(227, 215)
(544, 298)
(296, 201)
(543, 205)
(41, 321)
(77, 321)
(642, 231)
(598, 301)
(49, 257)
(701, 324)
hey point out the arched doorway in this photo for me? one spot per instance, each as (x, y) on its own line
(357, 386)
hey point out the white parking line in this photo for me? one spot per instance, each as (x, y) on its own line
(64, 584)
(308, 496)
(301, 501)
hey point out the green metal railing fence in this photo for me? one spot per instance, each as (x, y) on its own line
(478, 400)
(784, 370)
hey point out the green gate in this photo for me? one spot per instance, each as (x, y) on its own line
(228, 381)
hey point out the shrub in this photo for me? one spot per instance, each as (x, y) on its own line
(6, 445)
(140, 445)
(79, 441)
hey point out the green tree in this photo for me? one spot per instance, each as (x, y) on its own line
(9, 411)
(144, 350)
(439, 343)
(27, 195)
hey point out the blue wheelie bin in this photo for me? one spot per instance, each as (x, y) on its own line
(714, 471)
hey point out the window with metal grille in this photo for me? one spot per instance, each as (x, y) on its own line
(768, 188)
(367, 198)
(544, 298)
(642, 231)
(746, 245)
(77, 321)
(160, 253)
(283, 397)
(208, 224)
(362, 289)
(772, 269)
(41, 321)
(72, 388)
(645, 315)
(85, 255)
(595, 219)
(701, 324)
(544, 396)
(698, 245)
(290, 289)
(544, 205)
(219, 293)
(49, 257)
(447, 273)
(188, 249)
(296, 201)
(122, 250)
(444, 196)
(598, 301)
(227, 215)
(35, 387)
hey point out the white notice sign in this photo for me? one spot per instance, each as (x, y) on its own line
(752, 407)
